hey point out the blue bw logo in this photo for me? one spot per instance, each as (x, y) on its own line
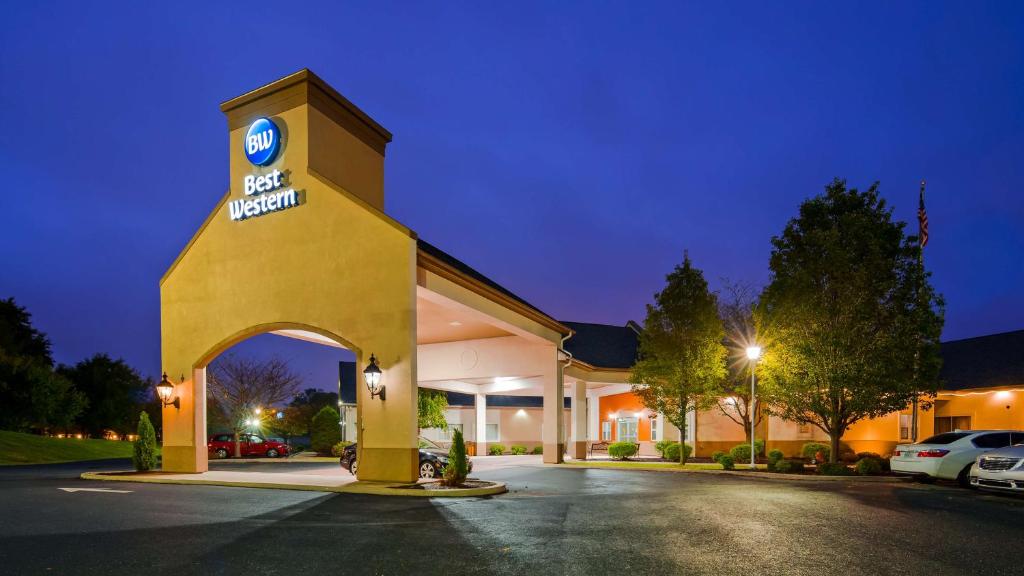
(262, 142)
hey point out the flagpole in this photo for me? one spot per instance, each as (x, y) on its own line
(917, 352)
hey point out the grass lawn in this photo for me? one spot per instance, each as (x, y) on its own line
(654, 465)
(18, 448)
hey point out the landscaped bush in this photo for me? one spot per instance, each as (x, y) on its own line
(496, 450)
(144, 451)
(727, 462)
(716, 455)
(794, 465)
(671, 452)
(338, 448)
(741, 452)
(454, 474)
(621, 450)
(848, 457)
(868, 467)
(774, 457)
(661, 445)
(537, 450)
(811, 448)
(324, 432)
(833, 469)
(518, 450)
(883, 462)
(780, 466)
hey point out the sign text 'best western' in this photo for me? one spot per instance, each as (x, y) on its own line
(264, 193)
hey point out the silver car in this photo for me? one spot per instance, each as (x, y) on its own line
(1001, 469)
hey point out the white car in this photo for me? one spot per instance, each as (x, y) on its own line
(950, 455)
(1001, 469)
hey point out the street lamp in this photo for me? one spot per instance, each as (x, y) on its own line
(165, 389)
(753, 353)
(372, 375)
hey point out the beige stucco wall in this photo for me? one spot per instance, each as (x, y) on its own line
(333, 265)
(516, 426)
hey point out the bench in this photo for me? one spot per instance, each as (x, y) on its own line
(603, 447)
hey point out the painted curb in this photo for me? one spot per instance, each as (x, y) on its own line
(370, 488)
(757, 476)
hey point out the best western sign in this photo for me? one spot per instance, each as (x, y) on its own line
(266, 192)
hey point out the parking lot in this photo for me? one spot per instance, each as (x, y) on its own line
(553, 521)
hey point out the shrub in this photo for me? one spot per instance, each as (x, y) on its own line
(716, 455)
(144, 450)
(868, 467)
(741, 452)
(518, 450)
(324, 432)
(671, 452)
(774, 457)
(780, 466)
(537, 450)
(726, 461)
(661, 445)
(454, 474)
(883, 462)
(621, 450)
(339, 448)
(848, 457)
(833, 469)
(811, 448)
(496, 449)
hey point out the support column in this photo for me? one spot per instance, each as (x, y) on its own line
(480, 409)
(554, 409)
(579, 420)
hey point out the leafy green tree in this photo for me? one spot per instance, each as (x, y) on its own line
(325, 433)
(736, 309)
(115, 392)
(682, 358)
(850, 319)
(144, 451)
(293, 423)
(31, 395)
(306, 404)
(430, 412)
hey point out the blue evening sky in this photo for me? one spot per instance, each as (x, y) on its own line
(571, 151)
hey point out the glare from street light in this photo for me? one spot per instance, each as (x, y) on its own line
(753, 352)
(258, 410)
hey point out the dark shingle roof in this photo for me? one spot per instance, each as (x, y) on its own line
(983, 362)
(472, 273)
(603, 346)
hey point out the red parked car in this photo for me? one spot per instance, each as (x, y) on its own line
(223, 445)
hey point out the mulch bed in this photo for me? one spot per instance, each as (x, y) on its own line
(438, 486)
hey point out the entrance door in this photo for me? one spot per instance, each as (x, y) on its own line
(627, 430)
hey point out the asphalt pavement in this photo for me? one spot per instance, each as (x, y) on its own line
(553, 521)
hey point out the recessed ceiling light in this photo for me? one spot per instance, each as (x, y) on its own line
(455, 323)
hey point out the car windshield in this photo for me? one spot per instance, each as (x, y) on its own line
(424, 443)
(946, 438)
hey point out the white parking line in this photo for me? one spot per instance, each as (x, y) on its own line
(108, 490)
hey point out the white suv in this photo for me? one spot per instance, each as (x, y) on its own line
(1001, 469)
(950, 455)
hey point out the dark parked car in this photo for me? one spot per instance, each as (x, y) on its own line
(223, 445)
(433, 459)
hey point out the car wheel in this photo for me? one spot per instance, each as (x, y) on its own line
(427, 469)
(353, 466)
(222, 453)
(964, 477)
(272, 453)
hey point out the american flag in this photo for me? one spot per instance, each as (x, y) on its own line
(922, 219)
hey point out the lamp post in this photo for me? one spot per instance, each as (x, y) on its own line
(372, 375)
(165, 389)
(753, 353)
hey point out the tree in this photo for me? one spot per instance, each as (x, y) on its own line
(306, 404)
(430, 412)
(682, 358)
(852, 320)
(325, 433)
(292, 423)
(31, 395)
(239, 386)
(144, 450)
(736, 312)
(454, 474)
(115, 392)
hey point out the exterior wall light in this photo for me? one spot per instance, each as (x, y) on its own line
(165, 390)
(372, 375)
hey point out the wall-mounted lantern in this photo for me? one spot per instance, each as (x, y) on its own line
(372, 375)
(165, 390)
